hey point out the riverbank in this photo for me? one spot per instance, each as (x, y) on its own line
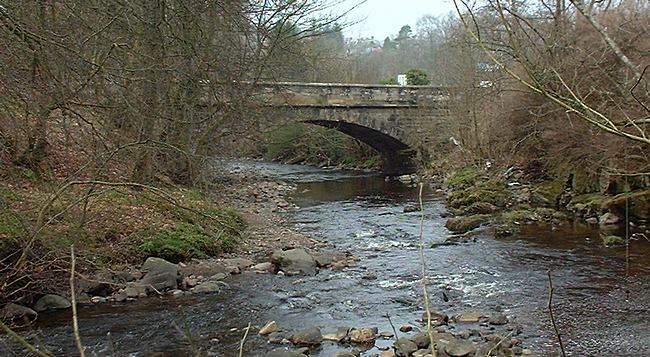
(507, 200)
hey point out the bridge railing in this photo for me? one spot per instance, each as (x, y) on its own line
(299, 94)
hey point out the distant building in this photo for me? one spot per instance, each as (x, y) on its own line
(401, 79)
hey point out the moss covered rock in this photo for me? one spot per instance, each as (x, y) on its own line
(612, 240)
(638, 203)
(492, 192)
(467, 223)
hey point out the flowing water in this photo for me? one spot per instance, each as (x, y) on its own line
(601, 310)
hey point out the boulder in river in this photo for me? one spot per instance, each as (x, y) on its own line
(421, 339)
(498, 319)
(160, 274)
(207, 287)
(240, 263)
(437, 318)
(326, 259)
(51, 302)
(404, 347)
(14, 312)
(363, 335)
(460, 348)
(338, 336)
(309, 337)
(466, 223)
(294, 260)
(472, 316)
(612, 240)
(266, 267)
(608, 218)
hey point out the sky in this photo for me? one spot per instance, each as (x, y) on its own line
(381, 18)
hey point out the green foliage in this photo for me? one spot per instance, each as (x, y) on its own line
(388, 44)
(203, 233)
(281, 142)
(462, 179)
(180, 243)
(390, 81)
(194, 240)
(417, 77)
(404, 33)
(492, 192)
(10, 226)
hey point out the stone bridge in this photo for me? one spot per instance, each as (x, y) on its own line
(394, 120)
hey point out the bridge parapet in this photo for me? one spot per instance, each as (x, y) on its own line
(297, 94)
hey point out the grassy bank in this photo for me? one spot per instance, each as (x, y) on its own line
(111, 223)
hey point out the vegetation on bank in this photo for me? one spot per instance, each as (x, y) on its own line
(512, 197)
(110, 223)
(303, 143)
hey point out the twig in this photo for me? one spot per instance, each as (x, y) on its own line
(75, 322)
(391, 325)
(499, 343)
(550, 312)
(241, 343)
(423, 265)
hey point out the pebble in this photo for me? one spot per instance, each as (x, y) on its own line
(269, 328)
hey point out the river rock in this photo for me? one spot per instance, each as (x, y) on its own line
(99, 285)
(460, 348)
(207, 287)
(437, 318)
(283, 352)
(404, 347)
(422, 353)
(466, 224)
(218, 277)
(269, 328)
(612, 240)
(608, 218)
(480, 208)
(363, 335)
(160, 274)
(278, 338)
(468, 317)
(338, 336)
(294, 260)
(411, 208)
(309, 337)
(498, 319)
(51, 302)
(421, 339)
(240, 263)
(406, 328)
(15, 312)
(387, 354)
(134, 290)
(345, 354)
(266, 267)
(325, 259)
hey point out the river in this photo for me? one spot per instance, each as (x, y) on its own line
(601, 310)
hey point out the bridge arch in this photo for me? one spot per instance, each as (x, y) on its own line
(398, 156)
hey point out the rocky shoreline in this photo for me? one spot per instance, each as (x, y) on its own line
(507, 201)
